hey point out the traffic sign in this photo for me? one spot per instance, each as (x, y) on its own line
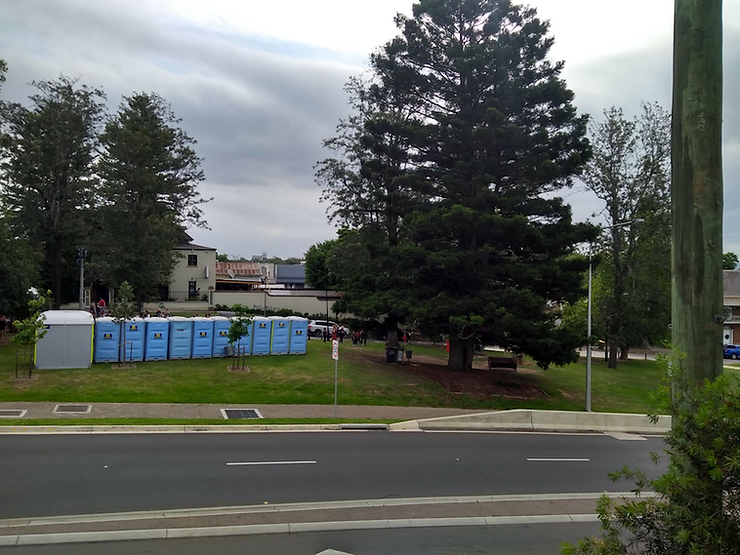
(335, 349)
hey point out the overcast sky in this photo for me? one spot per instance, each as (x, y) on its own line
(259, 85)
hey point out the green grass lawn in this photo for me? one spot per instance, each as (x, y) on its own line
(364, 379)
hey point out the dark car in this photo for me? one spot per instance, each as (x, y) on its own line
(732, 351)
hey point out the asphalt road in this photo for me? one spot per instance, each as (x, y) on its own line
(544, 539)
(79, 474)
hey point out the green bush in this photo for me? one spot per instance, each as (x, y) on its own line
(697, 505)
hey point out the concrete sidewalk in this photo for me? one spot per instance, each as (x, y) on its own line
(193, 411)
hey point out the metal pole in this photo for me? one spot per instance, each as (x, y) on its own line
(588, 335)
(82, 280)
(336, 362)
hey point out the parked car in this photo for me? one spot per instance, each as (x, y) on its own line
(317, 327)
(732, 351)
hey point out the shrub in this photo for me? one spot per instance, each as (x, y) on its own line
(697, 507)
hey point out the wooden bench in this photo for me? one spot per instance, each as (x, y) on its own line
(502, 362)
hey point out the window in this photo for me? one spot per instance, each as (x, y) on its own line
(192, 260)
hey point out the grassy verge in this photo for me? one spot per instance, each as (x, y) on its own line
(181, 421)
(364, 379)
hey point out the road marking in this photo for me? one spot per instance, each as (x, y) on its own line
(533, 459)
(257, 463)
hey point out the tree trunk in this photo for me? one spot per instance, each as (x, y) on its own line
(391, 326)
(696, 188)
(624, 354)
(613, 348)
(56, 272)
(461, 354)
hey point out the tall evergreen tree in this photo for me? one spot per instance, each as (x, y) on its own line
(495, 133)
(367, 188)
(48, 153)
(149, 173)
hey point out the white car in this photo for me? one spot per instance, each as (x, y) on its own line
(317, 327)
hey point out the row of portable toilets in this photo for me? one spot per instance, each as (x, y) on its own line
(73, 339)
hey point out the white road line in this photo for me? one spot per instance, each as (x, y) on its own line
(556, 460)
(257, 463)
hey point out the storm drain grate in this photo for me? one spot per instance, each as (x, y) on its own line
(232, 414)
(75, 409)
(12, 413)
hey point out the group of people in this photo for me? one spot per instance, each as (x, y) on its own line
(159, 314)
(98, 309)
(340, 332)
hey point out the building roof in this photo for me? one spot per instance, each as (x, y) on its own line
(186, 243)
(290, 273)
(192, 247)
(234, 269)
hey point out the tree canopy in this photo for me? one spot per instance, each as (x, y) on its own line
(462, 133)
(149, 175)
(629, 173)
(48, 152)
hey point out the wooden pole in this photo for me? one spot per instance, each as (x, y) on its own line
(696, 188)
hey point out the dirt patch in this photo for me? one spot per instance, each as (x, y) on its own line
(239, 369)
(479, 383)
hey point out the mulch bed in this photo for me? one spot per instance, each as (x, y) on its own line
(479, 383)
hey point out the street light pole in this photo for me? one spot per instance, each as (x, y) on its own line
(588, 332)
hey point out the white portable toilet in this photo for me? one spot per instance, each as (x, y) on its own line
(68, 341)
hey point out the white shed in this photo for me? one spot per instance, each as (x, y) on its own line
(68, 342)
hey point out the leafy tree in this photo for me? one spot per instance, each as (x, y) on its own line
(494, 132)
(697, 506)
(122, 310)
(239, 328)
(48, 152)
(729, 261)
(31, 328)
(18, 271)
(149, 174)
(366, 187)
(318, 275)
(629, 172)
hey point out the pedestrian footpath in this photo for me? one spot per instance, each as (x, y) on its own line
(206, 411)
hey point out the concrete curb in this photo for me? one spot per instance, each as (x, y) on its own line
(178, 533)
(303, 506)
(548, 421)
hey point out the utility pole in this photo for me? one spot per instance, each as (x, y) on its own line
(696, 187)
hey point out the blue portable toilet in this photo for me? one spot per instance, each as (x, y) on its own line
(107, 337)
(133, 337)
(262, 335)
(157, 339)
(202, 337)
(298, 335)
(181, 337)
(221, 326)
(280, 340)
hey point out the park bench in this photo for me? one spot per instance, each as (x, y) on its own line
(502, 362)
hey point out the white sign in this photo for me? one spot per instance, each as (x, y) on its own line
(335, 349)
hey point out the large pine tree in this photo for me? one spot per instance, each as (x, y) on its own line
(492, 133)
(150, 174)
(48, 152)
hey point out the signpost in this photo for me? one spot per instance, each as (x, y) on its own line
(335, 356)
